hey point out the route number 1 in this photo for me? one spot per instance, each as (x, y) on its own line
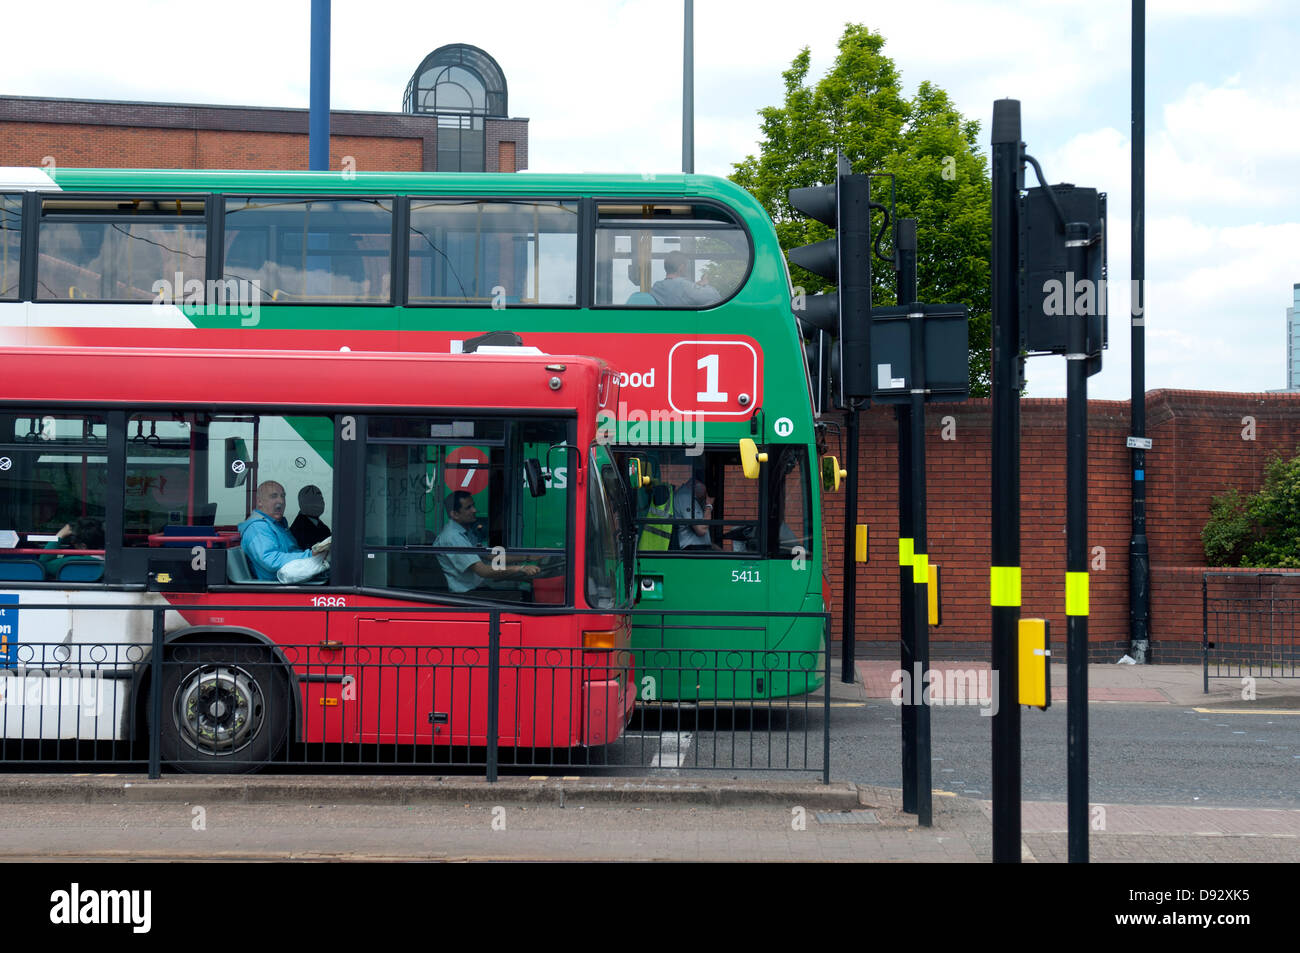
(711, 394)
(716, 378)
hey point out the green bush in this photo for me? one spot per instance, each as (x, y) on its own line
(1262, 529)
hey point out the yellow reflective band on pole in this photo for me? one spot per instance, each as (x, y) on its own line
(904, 551)
(920, 569)
(1004, 586)
(860, 541)
(1076, 593)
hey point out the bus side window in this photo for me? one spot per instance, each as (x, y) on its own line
(53, 493)
(110, 251)
(668, 256)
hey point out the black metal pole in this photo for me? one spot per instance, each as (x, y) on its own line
(826, 703)
(318, 116)
(1205, 634)
(905, 242)
(1004, 576)
(1139, 558)
(1076, 557)
(494, 693)
(920, 571)
(155, 696)
(848, 623)
(688, 88)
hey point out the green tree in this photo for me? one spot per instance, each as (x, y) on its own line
(1261, 529)
(940, 178)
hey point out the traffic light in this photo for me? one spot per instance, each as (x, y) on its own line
(823, 357)
(1051, 292)
(845, 260)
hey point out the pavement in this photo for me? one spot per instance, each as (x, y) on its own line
(1155, 684)
(117, 816)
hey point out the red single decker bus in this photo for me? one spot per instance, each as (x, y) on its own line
(331, 542)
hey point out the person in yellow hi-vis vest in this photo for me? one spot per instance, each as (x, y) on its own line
(655, 537)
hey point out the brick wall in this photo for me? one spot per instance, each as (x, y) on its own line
(79, 146)
(1198, 451)
(101, 134)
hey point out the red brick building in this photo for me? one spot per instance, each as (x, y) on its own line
(454, 119)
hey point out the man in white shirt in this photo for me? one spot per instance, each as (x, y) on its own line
(677, 290)
(691, 502)
(467, 571)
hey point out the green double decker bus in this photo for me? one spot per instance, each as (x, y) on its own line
(676, 281)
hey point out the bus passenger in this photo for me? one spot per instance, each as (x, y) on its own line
(84, 533)
(265, 536)
(468, 571)
(307, 527)
(676, 290)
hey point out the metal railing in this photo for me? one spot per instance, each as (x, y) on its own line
(442, 689)
(1249, 625)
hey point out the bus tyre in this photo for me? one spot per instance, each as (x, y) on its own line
(225, 709)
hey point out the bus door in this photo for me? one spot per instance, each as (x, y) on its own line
(426, 680)
(709, 538)
(698, 547)
(425, 677)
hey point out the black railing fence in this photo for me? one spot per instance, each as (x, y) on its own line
(420, 688)
(1249, 625)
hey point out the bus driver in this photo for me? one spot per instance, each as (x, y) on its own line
(467, 571)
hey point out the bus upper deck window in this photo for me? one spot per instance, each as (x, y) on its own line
(667, 255)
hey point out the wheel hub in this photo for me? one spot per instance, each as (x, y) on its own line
(218, 709)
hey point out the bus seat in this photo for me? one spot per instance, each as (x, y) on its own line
(643, 298)
(21, 570)
(239, 573)
(434, 577)
(237, 569)
(81, 570)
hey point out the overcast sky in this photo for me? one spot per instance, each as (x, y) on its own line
(601, 83)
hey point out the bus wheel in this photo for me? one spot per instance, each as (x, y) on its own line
(225, 709)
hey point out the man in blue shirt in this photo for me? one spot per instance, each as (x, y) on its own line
(265, 536)
(467, 571)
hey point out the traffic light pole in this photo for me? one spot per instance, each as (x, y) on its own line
(848, 619)
(845, 260)
(920, 574)
(1004, 575)
(1139, 559)
(1076, 558)
(905, 243)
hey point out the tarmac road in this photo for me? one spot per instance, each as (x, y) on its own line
(1160, 747)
